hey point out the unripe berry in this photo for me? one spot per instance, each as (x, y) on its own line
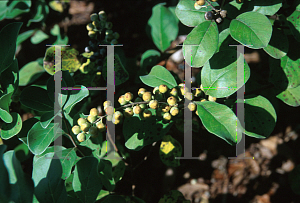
(109, 118)
(155, 90)
(106, 104)
(76, 129)
(167, 116)
(108, 32)
(81, 121)
(109, 37)
(101, 127)
(102, 15)
(213, 99)
(122, 100)
(163, 88)
(113, 42)
(94, 17)
(108, 25)
(174, 111)
(91, 118)
(172, 100)
(109, 110)
(128, 96)
(81, 137)
(197, 113)
(147, 96)
(138, 99)
(128, 112)
(116, 35)
(158, 96)
(153, 104)
(189, 96)
(92, 34)
(141, 91)
(89, 27)
(174, 92)
(192, 106)
(181, 85)
(223, 13)
(165, 108)
(147, 113)
(183, 90)
(118, 115)
(137, 109)
(94, 112)
(85, 127)
(115, 121)
(200, 2)
(143, 106)
(203, 100)
(197, 6)
(93, 131)
(97, 25)
(197, 92)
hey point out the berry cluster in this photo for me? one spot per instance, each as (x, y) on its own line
(215, 14)
(100, 32)
(166, 102)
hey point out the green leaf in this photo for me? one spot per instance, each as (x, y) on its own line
(220, 120)
(36, 98)
(3, 8)
(39, 139)
(169, 150)
(219, 75)
(159, 76)
(47, 117)
(9, 79)
(5, 189)
(291, 96)
(260, 117)
(149, 58)
(5, 116)
(106, 176)
(56, 32)
(226, 41)
(86, 182)
(121, 74)
(38, 37)
(24, 36)
(75, 97)
(164, 28)
(26, 126)
(69, 60)
(94, 143)
(8, 38)
(294, 23)
(292, 71)
(268, 7)
(39, 12)
(9, 130)
(277, 48)
(57, 6)
(173, 196)
(205, 35)
(139, 133)
(5, 101)
(16, 8)
(119, 171)
(22, 152)
(21, 184)
(251, 29)
(46, 174)
(30, 72)
(188, 15)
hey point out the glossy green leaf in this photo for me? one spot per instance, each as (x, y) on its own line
(69, 60)
(26, 126)
(139, 133)
(22, 152)
(219, 75)
(3, 8)
(16, 8)
(94, 143)
(24, 36)
(9, 79)
(30, 72)
(220, 120)
(159, 75)
(9, 130)
(86, 182)
(46, 174)
(39, 12)
(164, 28)
(291, 96)
(75, 97)
(206, 38)
(21, 184)
(277, 48)
(292, 71)
(47, 117)
(8, 38)
(5, 116)
(36, 98)
(294, 23)
(170, 148)
(251, 29)
(173, 196)
(188, 15)
(5, 189)
(5, 101)
(39, 138)
(260, 117)
(267, 7)
(121, 74)
(38, 37)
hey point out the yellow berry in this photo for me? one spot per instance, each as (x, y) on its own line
(122, 100)
(109, 117)
(92, 34)
(91, 118)
(85, 127)
(81, 121)
(172, 100)
(89, 27)
(115, 121)
(155, 90)
(174, 92)
(101, 127)
(163, 89)
(174, 111)
(93, 131)
(94, 112)
(165, 108)
(189, 96)
(197, 92)
(141, 91)
(118, 115)
(192, 106)
(200, 2)
(76, 129)
(213, 99)
(128, 112)
(167, 116)
(137, 109)
(183, 90)
(203, 100)
(81, 137)
(147, 96)
(147, 113)
(106, 104)
(181, 85)
(153, 104)
(197, 113)
(128, 96)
